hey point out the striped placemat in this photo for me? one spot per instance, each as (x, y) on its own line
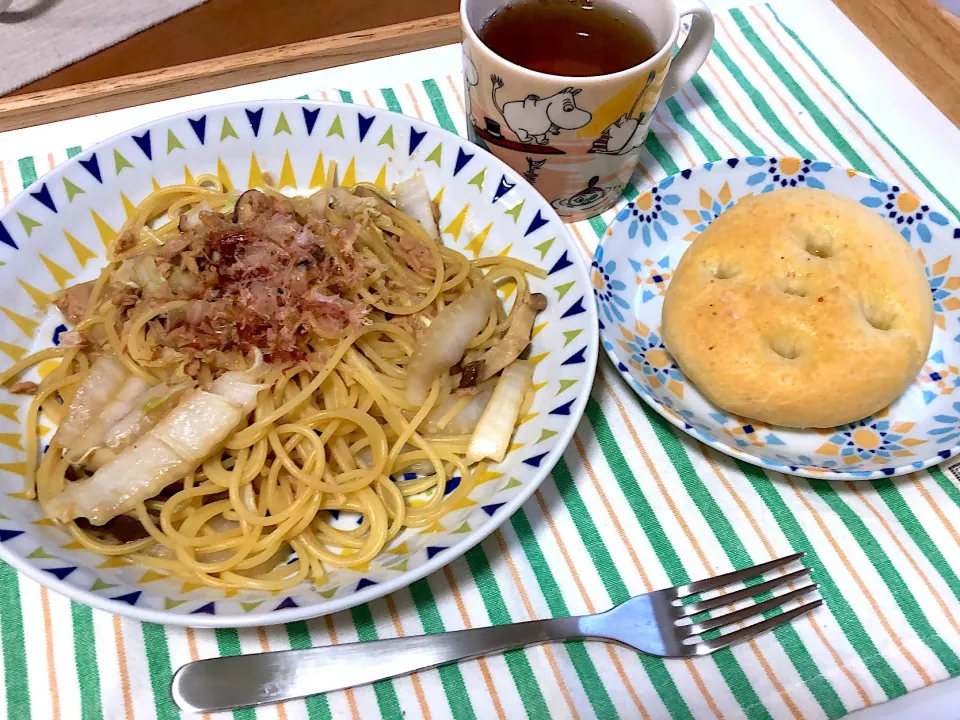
(632, 506)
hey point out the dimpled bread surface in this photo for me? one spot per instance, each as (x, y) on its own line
(799, 308)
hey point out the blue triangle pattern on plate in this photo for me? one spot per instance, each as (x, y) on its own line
(60, 573)
(492, 508)
(199, 127)
(462, 159)
(563, 409)
(363, 124)
(255, 116)
(92, 166)
(434, 550)
(415, 139)
(310, 118)
(57, 332)
(129, 598)
(209, 609)
(503, 187)
(560, 264)
(143, 142)
(577, 357)
(452, 484)
(43, 196)
(574, 309)
(535, 460)
(6, 238)
(287, 603)
(364, 583)
(335, 514)
(9, 534)
(538, 222)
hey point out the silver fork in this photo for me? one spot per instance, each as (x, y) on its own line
(656, 623)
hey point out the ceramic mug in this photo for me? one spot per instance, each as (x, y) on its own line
(577, 139)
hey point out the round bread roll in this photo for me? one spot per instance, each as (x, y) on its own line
(799, 308)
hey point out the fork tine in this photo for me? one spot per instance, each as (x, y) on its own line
(729, 578)
(748, 612)
(705, 647)
(742, 594)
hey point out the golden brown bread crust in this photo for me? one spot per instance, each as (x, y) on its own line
(799, 308)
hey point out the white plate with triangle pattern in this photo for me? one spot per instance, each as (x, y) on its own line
(55, 233)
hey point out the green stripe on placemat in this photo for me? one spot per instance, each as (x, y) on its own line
(383, 689)
(85, 657)
(13, 645)
(298, 634)
(161, 674)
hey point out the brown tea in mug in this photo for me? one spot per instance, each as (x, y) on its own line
(569, 37)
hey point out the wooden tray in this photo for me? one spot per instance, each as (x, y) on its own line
(104, 95)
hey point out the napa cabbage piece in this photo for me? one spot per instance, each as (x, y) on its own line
(413, 198)
(491, 439)
(176, 446)
(445, 341)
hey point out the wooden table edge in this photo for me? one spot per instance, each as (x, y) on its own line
(19, 111)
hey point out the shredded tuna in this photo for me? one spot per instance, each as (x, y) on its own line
(73, 301)
(412, 251)
(24, 388)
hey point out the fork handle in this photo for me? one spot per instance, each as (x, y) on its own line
(243, 680)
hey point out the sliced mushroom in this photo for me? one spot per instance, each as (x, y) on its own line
(514, 342)
(249, 204)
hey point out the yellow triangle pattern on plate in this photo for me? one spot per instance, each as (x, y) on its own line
(14, 351)
(515, 446)
(189, 587)
(188, 178)
(400, 549)
(82, 252)
(536, 330)
(256, 176)
(155, 184)
(224, 176)
(28, 326)
(508, 288)
(17, 468)
(72, 545)
(476, 245)
(487, 475)
(150, 576)
(107, 233)
(318, 179)
(39, 297)
(381, 181)
(525, 419)
(438, 198)
(287, 178)
(435, 528)
(43, 522)
(456, 225)
(128, 207)
(8, 410)
(537, 358)
(350, 176)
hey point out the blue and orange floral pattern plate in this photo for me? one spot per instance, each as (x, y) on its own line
(55, 234)
(632, 268)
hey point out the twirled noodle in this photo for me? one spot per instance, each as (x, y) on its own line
(332, 428)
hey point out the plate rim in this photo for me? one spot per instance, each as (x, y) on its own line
(407, 577)
(827, 474)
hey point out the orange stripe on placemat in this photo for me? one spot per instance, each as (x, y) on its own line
(531, 614)
(810, 617)
(51, 656)
(913, 563)
(766, 81)
(583, 244)
(323, 94)
(351, 696)
(884, 622)
(265, 647)
(456, 94)
(416, 105)
(589, 603)
(4, 188)
(802, 67)
(194, 653)
(123, 667)
(700, 116)
(730, 96)
(481, 662)
(414, 677)
(655, 473)
(936, 508)
(676, 138)
(366, 96)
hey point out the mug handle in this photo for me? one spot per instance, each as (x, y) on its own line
(693, 53)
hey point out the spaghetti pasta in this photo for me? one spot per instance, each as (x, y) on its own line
(255, 355)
